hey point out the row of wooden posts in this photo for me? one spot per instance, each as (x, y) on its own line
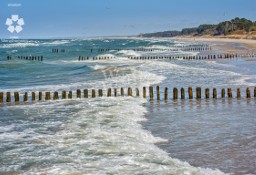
(54, 50)
(198, 57)
(31, 58)
(152, 50)
(82, 58)
(113, 92)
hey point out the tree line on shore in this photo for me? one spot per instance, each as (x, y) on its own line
(234, 26)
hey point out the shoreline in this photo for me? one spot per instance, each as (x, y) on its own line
(225, 44)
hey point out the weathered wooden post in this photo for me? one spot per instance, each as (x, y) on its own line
(78, 93)
(16, 97)
(40, 96)
(25, 97)
(166, 93)
(93, 93)
(230, 95)
(151, 93)
(55, 96)
(47, 95)
(33, 96)
(248, 93)
(144, 92)
(158, 93)
(137, 92)
(109, 92)
(122, 92)
(64, 94)
(214, 93)
(129, 91)
(207, 93)
(70, 95)
(85, 93)
(190, 93)
(182, 93)
(222, 93)
(8, 97)
(198, 93)
(100, 93)
(175, 93)
(238, 93)
(1, 97)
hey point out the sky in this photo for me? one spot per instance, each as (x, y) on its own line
(89, 18)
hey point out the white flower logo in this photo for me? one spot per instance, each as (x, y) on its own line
(14, 24)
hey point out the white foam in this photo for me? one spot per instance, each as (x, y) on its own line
(129, 53)
(56, 43)
(18, 45)
(92, 137)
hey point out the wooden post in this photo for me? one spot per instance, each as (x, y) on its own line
(16, 97)
(137, 92)
(198, 93)
(93, 93)
(55, 96)
(182, 93)
(122, 92)
(78, 93)
(207, 93)
(40, 96)
(175, 93)
(230, 93)
(109, 92)
(144, 92)
(47, 95)
(151, 93)
(254, 93)
(100, 93)
(70, 95)
(222, 93)
(115, 92)
(158, 93)
(166, 93)
(33, 96)
(190, 93)
(64, 95)
(214, 93)
(8, 97)
(248, 93)
(238, 93)
(1, 97)
(25, 97)
(85, 93)
(129, 91)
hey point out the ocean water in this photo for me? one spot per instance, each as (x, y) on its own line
(123, 135)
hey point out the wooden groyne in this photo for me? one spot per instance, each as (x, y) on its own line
(56, 50)
(28, 58)
(197, 57)
(152, 93)
(84, 58)
(172, 48)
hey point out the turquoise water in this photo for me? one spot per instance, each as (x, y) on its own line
(123, 135)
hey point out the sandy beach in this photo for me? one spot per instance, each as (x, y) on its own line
(226, 44)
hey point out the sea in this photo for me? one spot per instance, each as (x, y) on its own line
(125, 135)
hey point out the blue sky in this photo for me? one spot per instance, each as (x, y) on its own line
(86, 18)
